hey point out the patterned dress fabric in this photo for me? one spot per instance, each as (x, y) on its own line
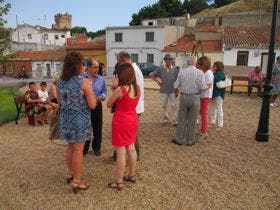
(75, 121)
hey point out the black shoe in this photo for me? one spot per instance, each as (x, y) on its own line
(191, 144)
(175, 142)
(97, 153)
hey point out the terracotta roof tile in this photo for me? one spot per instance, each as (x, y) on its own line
(97, 45)
(185, 44)
(249, 36)
(58, 54)
(209, 28)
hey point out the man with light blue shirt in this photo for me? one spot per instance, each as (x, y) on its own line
(100, 92)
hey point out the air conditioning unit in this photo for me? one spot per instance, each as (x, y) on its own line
(256, 53)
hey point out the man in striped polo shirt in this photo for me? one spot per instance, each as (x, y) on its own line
(191, 82)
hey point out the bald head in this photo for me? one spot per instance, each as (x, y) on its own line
(192, 60)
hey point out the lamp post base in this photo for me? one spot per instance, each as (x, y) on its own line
(262, 137)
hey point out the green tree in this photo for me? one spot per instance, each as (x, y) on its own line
(220, 3)
(172, 7)
(95, 34)
(5, 43)
(78, 29)
(161, 9)
(195, 6)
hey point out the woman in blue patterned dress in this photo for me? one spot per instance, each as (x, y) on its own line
(75, 97)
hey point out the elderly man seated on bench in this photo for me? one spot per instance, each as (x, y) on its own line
(255, 80)
(34, 105)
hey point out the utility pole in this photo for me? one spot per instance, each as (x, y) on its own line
(17, 28)
(262, 133)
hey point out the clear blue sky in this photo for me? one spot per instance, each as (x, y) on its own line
(92, 14)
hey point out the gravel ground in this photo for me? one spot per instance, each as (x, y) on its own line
(227, 170)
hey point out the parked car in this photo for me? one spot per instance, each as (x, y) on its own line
(147, 68)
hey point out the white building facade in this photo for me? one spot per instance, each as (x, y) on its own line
(29, 34)
(143, 43)
(248, 57)
(46, 69)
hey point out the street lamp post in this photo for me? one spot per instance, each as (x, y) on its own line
(262, 134)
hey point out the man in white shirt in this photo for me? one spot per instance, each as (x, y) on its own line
(44, 96)
(191, 82)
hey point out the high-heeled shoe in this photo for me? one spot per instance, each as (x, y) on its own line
(78, 186)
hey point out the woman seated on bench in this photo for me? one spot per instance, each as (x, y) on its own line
(34, 105)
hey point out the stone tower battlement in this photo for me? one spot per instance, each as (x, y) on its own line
(62, 21)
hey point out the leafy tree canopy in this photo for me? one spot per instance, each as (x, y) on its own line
(5, 43)
(78, 30)
(83, 30)
(171, 8)
(220, 3)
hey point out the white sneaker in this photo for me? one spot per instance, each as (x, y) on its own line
(272, 105)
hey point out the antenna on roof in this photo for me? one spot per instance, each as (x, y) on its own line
(260, 17)
(17, 27)
(45, 17)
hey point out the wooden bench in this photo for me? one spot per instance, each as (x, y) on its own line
(19, 101)
(240, 78)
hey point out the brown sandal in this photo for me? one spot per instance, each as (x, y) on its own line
(130, 178)
(78, 186)
(116, 185)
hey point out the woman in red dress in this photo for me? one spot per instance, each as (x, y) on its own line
(125, 96)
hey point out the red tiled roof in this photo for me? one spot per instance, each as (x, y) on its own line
(97, 45)
(36, 27)
(185, 44)
(209, 28)
(58, 54)
(249, 36)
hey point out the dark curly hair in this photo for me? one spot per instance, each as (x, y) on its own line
(71, 66)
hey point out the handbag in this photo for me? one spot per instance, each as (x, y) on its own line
(54, 127)
(224, 83)
(55, 130)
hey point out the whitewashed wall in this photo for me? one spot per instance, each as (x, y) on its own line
(230, 56)
(134, 43)
(55, 69)
(20, 34)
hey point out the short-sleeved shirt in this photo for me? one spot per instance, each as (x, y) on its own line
(168, 78)
(209, 79)
(255, 76)
(44, 95)
(190, 81)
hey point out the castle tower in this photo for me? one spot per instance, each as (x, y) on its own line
(62, 21)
